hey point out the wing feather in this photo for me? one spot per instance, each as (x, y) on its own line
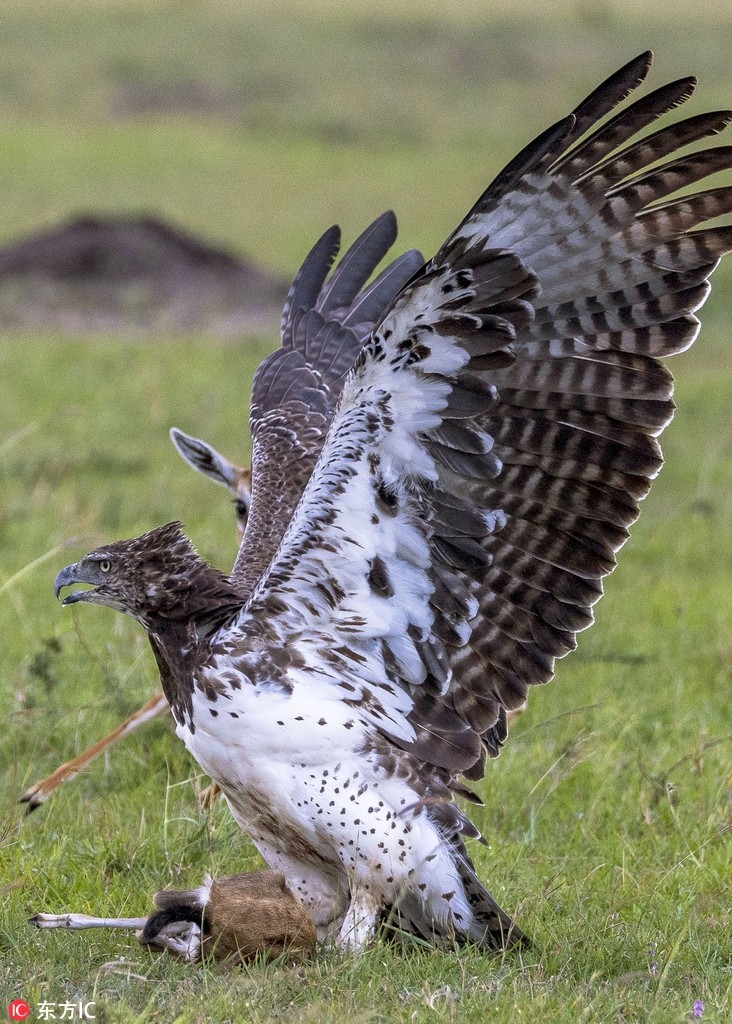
(296, 388)
(358, 264)
(498, 429)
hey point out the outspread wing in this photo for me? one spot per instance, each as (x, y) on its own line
(499, 429)
(295, 390)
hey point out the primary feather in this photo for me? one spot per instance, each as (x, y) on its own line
(470, 482)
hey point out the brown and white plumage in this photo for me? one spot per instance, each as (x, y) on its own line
(325, 321)
(482, 467)
(297, 387)
(323, 327)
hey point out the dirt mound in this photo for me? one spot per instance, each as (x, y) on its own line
(138, 273)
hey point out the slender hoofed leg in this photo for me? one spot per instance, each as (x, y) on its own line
(79, 921)
(182, 938)
(40, 791)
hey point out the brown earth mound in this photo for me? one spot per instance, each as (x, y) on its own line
(137, 273)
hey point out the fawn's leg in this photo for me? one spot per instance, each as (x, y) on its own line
(36, 794)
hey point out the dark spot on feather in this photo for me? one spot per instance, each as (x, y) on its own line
(379, 578)
(326, 591)
(275, 606)
(346, 652)
(386, 499)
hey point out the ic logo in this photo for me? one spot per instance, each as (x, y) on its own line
(19, 1010)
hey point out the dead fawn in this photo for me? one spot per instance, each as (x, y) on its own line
(235, 920)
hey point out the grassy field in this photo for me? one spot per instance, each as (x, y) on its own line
(609, 811)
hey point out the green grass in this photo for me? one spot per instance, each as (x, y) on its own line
(608, 809)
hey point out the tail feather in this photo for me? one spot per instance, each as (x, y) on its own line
(489, 926)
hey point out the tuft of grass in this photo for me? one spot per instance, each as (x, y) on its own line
(608, 812)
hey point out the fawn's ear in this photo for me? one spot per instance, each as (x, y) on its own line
(205, 459)
(194, 899)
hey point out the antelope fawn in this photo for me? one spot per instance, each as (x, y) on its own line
(234, 919)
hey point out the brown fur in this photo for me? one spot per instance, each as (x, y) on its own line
(245, 916)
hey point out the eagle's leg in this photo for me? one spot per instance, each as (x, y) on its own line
(323, 892)
(361, 921)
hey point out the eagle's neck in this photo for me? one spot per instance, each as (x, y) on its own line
(178, 650)
(180, 637)
(192, 595)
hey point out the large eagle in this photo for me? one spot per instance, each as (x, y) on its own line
(418, 554)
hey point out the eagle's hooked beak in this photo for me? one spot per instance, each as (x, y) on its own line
(72, 574)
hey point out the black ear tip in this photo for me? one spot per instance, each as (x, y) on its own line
(181, 440)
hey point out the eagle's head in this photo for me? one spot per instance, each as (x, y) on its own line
(156, 578)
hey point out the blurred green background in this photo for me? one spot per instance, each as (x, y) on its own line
(256, 126)
(259, 124)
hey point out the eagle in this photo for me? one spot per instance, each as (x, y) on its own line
(426, 539)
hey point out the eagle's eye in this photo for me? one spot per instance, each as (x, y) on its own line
(105, 565)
